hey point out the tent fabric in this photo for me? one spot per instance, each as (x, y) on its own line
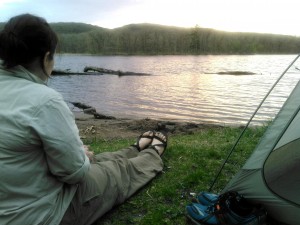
(252, 186)
(275, 131)
(271, 175)
(282, 172)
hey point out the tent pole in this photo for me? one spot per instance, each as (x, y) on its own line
(249, 121)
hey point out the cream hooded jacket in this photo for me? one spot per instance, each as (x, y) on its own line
(41, 155)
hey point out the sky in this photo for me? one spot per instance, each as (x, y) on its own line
(259, 16)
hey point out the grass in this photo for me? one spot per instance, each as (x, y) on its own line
(191, 164)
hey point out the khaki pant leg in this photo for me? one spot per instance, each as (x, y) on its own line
(110, 183)
(130, 152)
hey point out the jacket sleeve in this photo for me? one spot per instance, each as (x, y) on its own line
(55, 125)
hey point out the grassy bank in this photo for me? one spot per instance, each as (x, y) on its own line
(191, 163)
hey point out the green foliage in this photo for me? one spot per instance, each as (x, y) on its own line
(72, 28)
(191, 163)
(150, 39)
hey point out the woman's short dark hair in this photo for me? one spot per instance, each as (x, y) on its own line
(25, 38)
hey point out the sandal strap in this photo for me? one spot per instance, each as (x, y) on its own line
(161, 140)
(153, 148)
(158, 145)
(137, 146)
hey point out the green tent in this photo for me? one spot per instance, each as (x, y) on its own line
(271, 175)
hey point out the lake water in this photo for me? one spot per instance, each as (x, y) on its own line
(185, 88)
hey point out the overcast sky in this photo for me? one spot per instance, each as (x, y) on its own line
(263, 16)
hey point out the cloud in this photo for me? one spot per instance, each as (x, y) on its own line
(5, 2)
(269, 16)
(60, 10)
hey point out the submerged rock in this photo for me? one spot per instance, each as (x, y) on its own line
(236, 73)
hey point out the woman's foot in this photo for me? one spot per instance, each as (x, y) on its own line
(159, 143)
(144, 140)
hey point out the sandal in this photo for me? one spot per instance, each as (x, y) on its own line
(163, 143)
(142, 144)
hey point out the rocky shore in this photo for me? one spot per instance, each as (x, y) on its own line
(90, 127)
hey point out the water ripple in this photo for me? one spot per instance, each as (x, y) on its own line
(181, 87)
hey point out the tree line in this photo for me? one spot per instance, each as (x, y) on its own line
(150, 39)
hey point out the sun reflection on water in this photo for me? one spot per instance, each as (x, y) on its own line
(180, 87)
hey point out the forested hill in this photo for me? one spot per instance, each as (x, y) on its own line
(150, 39)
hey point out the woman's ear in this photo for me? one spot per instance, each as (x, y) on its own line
(48, 64)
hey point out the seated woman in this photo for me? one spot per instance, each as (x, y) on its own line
(46, 173)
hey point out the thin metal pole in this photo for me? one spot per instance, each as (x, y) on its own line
(250, 120)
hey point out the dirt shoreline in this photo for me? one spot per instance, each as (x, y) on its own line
(118, 128)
